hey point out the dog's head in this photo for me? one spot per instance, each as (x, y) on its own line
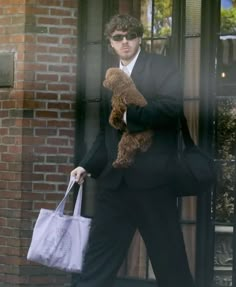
(116, 79)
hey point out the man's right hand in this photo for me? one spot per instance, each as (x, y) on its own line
(79, 173)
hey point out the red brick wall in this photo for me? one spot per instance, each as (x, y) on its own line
(36, 127)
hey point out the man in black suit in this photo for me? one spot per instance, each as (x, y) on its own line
(142, 195)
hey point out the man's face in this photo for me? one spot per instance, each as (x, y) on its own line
(125, 47)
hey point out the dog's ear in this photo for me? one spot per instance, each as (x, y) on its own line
(110, 79)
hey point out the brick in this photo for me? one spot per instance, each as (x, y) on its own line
(48, 21)
(14, 10)
(59, 123)
(44, 168)
(70, 4)
(47, 39)
(59, 87)
(37, 10)
(71, 41)
(46, 132)
(35, 29)
(59, 50)
(52, 3)
(67, 115)
(4, 20)
(16, 38)
(59, 68)
(48, 58)
(46, 114)
(47, 77)
(60, 12)
(59, 106)
(60, 31)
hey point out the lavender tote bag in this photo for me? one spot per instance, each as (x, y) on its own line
(60, 240)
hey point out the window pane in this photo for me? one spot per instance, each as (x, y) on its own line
(159, 46)
(226, 129)
(192, 67)
(223, 258)
(228, 17)
(193, 17)
(146, 17)
(224, 197)
(156, 15)
(189, 232)
(162, 22)
(189, 206)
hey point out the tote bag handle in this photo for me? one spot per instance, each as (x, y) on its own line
(77, 209)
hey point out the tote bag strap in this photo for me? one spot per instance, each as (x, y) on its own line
(61, 206)
(78, 203)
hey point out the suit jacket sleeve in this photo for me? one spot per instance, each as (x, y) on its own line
(165, 103)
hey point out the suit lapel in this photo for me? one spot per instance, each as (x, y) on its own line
(138, 67)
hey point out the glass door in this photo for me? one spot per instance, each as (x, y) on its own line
(173, 28)
(224, 268)
(165, 34)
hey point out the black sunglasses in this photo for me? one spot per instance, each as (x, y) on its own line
(128, 36)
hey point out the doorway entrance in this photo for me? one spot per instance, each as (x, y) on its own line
(200, 37)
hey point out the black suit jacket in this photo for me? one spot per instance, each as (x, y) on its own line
(160, 83)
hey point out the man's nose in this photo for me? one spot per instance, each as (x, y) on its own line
(124, 39)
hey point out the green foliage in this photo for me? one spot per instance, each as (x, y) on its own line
(228, 20)
(226, 142)
(163, 17)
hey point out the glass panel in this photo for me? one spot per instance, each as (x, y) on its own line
(225, 143)
(226, 129)
(193, 17)
(228, 17)
(135, 264)
(223, 256)
(157, 23)
(92, 70)
(191, 110)
(192, 67)
(156, 17)
(162, 22)
(224, 201)
(189, 206)
(189, 232)
(146, 17)
(160, 46)
(94, 24)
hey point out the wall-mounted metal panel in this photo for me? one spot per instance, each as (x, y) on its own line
(6, 69)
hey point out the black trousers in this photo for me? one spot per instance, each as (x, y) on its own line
(118, 214)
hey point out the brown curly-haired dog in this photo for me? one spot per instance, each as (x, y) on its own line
(125, 93)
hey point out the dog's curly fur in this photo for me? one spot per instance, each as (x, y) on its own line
(125, 93)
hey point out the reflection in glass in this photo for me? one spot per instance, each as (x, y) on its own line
(224, 201)
(226, 149)
(189, 233)
(223, 257)
(226, 129)
(193, 17)
(156, 16)
(159, 46)
(228, 17)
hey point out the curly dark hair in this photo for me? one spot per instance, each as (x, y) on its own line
(123, 23)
